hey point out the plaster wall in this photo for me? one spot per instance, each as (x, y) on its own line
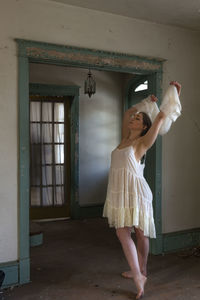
(100, 124)
(47, 21)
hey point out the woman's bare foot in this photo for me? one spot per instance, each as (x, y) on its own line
(140, 283)
(129, 275)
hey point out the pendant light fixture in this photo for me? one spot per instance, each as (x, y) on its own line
(90, 85)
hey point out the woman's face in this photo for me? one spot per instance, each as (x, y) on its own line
(136, 122)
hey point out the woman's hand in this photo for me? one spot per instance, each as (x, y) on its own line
(177, 85)
(154, 98)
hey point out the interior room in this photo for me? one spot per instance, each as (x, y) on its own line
(57, 141)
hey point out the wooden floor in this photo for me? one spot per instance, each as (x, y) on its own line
(82, 260)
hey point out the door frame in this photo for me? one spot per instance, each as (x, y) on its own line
(155, 168)
(39, 52)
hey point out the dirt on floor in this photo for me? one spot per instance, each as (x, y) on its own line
(83, 260)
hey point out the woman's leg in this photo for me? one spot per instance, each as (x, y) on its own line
(142, 251)
(131, 255)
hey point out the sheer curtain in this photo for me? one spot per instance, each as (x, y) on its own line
(47, 153)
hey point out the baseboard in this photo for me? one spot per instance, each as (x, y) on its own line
(156, 245)
(81, 212)
(11, 270)
(36, 239)
(90, 211)
(181, 240)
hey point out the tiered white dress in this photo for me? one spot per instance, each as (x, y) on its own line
(129, 198)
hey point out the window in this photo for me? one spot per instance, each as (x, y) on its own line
(142, 87)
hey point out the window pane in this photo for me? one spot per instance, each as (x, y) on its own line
(47, 111)
(142, 87)
(59, 174)
(59, 154)
(35, 196)
(59, 133)
(35, 133)
(47, 133)
(47, 175)
(35, 155)
(35, 111)
(35, 175)
(59, 112)
(47, 154)
(35, 165)
(59, 195)
(47, 196)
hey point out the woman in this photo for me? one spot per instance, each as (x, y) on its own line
(129, 199)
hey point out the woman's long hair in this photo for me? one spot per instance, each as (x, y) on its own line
(146, 122)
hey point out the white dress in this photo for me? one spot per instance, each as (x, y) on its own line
(129, 198)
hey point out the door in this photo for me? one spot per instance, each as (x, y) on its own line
(49, 157)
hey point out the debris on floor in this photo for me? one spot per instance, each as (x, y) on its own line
(190, 252)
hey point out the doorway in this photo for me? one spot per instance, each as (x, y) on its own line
(30, 51)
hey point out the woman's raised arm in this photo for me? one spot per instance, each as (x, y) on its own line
(149, 138)
(143, 105)
(126, 119)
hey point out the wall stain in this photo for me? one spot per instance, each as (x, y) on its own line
(197, 126)
(3, 47)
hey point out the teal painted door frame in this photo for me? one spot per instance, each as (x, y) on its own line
(153, 161)
(31, 51)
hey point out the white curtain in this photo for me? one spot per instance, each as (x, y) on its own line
(47, 153)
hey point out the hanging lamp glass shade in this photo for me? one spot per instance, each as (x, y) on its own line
(90, 85)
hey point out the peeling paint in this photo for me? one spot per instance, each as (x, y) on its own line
(98, 58)
(76, 138)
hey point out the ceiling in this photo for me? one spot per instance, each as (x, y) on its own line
(181, 13)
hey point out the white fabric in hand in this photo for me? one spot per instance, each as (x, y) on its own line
(171, 107)
(149, 107)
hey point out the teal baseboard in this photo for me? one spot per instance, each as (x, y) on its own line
(11, 270)
(181, 240)
(16, 273)
(91, 211)
(36, 239)
(82, 212)
(156, 245)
